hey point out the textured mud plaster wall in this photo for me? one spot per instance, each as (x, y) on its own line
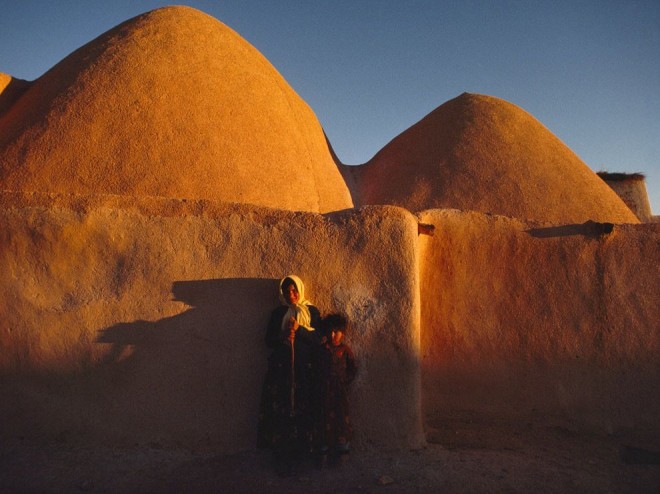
(553, 322)
(142, 321)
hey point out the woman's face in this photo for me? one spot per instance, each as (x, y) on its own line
(290, 293)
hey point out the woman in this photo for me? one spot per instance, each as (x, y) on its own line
(289, 398)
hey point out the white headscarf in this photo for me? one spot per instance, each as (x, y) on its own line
(300, 310)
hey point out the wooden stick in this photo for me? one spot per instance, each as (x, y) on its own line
(293, 379)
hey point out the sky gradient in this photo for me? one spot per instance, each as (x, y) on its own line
(588, 70)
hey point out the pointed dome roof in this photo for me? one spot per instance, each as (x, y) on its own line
(170, 103)
(482, 153)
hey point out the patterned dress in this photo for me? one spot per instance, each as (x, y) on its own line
(338, 368)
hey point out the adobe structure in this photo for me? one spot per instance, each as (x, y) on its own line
(631, 188)
(146, 224)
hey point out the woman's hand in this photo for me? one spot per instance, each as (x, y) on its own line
(293, 327)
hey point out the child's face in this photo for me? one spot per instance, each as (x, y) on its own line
(337, 335)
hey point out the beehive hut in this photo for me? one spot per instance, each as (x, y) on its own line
(484, 154)
(631, 188)
(148, 213)
(154, 185)
(175, 104)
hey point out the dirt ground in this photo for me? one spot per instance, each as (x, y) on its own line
(463, 456)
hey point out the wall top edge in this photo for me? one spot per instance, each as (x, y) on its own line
(174, 207)
(431, 215)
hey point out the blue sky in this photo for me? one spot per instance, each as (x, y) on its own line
(588, 70)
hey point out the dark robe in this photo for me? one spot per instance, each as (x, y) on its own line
(287, 425)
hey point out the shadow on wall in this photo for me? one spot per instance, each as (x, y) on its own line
(11, 93)
(587, 229)
(193, 378)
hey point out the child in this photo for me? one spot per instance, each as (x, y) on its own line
(337, 370)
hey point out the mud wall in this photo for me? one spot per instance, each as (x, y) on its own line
(142, 321)
(556, 323)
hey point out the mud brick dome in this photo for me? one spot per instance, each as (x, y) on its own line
(484, 154)
(171, 103)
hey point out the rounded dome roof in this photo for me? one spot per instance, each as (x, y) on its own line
(170, 103)
(482, 153)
